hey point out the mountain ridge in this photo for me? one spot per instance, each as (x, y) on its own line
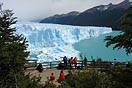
(102, 15)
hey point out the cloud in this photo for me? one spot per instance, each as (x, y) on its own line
(28, 10)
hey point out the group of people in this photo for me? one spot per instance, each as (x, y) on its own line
(61, 76)
(71, 61)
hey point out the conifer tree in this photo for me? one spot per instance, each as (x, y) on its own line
(13, 53)
(124, 38)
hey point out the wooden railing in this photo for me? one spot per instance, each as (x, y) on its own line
(30, 63)
(54, 64)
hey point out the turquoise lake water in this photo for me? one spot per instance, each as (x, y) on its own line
(95, 47)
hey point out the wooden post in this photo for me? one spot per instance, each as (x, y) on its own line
(82, 65)
(35, 63)
(50, 65)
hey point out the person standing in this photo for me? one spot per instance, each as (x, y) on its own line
(62, 75)
(75, 62)
(65, 61)
(71, 61)
(85, 61)
(115, 62)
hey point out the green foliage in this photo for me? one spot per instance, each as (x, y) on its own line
(49, 84)
(89, 79)
(13, 54)
(12, 46)
(121, 77)
(115, 77)
(124, 39)
(18, 80)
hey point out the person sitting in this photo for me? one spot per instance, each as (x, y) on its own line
(128, 64)
(39, 67)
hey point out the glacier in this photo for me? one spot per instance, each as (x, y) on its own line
(50, 42)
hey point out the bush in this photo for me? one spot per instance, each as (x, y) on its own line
(89, 79)
(121, 77)
(49, 84)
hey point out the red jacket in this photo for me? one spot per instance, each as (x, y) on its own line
(52, 77)
(62, 76)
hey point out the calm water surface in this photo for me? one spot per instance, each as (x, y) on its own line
(96, 47)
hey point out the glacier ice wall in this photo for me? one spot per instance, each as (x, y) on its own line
(49, 42)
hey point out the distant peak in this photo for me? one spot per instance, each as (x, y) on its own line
(110, 4)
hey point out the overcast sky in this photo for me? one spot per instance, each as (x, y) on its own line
(29, 10)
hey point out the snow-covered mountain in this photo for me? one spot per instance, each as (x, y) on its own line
(48, 42)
